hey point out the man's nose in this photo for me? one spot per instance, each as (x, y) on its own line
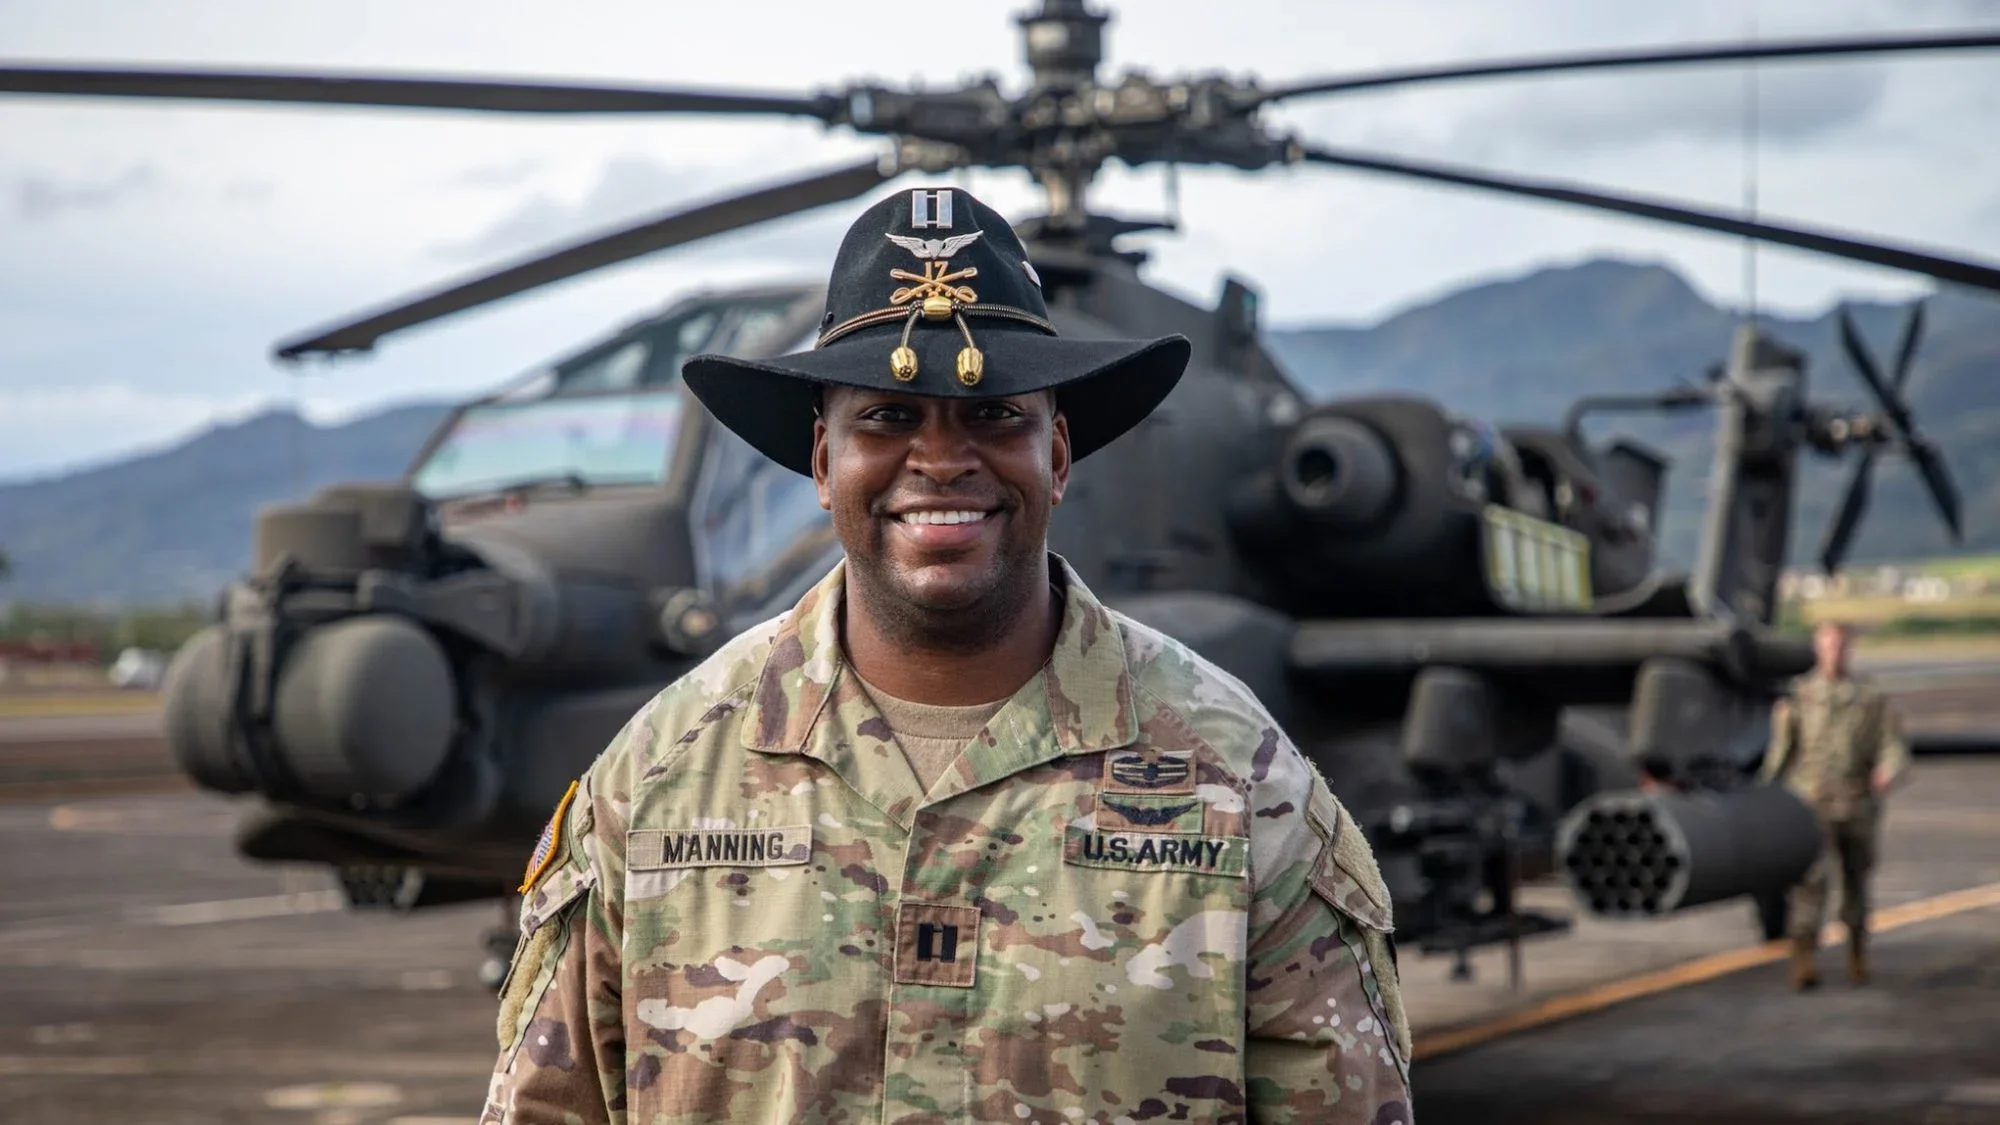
(942, 448)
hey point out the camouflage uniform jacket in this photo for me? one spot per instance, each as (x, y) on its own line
(1130, 899)
(1827, 738)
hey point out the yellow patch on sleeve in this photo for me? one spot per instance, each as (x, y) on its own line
(519, 987)
(550, 843)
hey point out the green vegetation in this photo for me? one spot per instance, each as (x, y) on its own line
(162, 628)
(1978, 625)
(1966, 566)
(1874, 610)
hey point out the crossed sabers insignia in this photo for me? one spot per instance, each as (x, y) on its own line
(934, 282)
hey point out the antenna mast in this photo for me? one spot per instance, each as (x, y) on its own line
(1750, 138)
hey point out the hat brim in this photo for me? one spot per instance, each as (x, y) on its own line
(1103, 387)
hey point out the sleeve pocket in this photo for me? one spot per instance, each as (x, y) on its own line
(1350, 881)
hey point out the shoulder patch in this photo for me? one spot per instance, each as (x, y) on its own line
(1346, 875)
(550, 843)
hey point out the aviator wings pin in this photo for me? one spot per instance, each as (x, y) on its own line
(939, 249)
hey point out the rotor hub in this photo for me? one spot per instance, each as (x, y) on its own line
(1064, 42)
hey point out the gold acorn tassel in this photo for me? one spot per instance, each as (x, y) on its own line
(903, 361)
(971, 361)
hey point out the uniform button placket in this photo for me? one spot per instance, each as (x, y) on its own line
(933, 987)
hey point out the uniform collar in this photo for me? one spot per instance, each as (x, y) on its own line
(1083, 695)
(1833, 688)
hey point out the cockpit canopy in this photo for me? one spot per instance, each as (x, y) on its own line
(612, 426)
(610, 415)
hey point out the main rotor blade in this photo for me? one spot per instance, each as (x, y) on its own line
(1548, 64)
(1853, 502)
(672, 229)
(398, 91)
(1977, 275)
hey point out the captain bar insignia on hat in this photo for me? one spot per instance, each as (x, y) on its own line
(935, 296)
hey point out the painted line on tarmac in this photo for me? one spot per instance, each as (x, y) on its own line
(138, 785)
(1596, 998)
(240, 909)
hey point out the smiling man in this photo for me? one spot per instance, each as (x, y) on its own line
(950, 840)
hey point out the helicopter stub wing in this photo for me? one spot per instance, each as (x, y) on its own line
(1538, 647)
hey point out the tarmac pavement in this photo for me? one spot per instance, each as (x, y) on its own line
(151, 976)
(148, 974)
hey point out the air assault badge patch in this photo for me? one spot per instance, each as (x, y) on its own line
(1139, 771)
(549, 844)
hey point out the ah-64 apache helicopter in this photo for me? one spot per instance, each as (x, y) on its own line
(413, 671)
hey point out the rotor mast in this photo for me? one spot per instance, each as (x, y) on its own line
(1063, 43)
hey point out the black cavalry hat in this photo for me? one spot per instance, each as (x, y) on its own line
(932, 294)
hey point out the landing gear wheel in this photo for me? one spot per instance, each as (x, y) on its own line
(492, 971)
(499, 943)
(1771, 915)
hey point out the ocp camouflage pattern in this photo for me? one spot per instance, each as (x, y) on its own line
(1827, 738)
(983, 954)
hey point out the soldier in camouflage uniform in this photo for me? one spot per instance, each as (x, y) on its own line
(950, 840)
(1837, 743)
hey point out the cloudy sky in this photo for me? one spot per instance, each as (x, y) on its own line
(151, 253)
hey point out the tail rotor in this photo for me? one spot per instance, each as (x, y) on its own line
(1894, 425)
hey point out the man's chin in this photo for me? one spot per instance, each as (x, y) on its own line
(946, 588)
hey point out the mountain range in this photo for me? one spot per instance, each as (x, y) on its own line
(175, 524)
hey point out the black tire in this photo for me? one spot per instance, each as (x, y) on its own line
(1771, 914)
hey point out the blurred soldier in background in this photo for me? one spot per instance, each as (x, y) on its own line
(1836, 742)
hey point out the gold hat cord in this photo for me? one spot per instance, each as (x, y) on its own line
(934, 297)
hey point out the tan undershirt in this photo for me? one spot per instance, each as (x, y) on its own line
(931, 736)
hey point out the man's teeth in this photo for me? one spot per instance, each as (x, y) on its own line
(943, 517)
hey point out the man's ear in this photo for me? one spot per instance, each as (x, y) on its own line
(1058, 457)
(819, 463)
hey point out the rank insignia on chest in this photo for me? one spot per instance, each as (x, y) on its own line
(551, 841)
(937, 944)
(1139, 771)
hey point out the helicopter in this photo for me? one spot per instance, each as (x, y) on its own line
(412, 671)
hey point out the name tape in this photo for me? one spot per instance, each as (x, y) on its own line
(653, 849)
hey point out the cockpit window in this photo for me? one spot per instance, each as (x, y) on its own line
(759, 529)
(608, 415)
(616, 370)
(758, 526)
(579, 439)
